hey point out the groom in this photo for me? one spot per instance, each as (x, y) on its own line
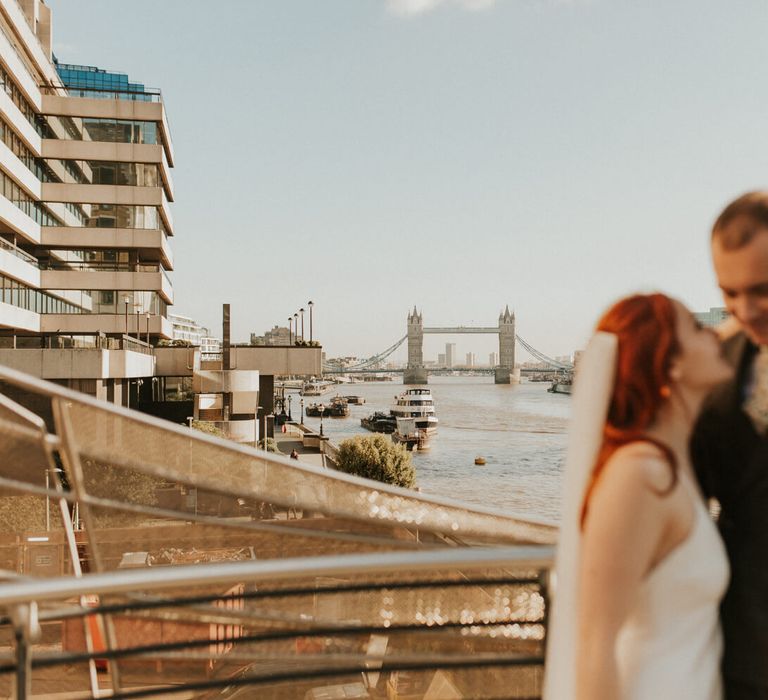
(730, 443)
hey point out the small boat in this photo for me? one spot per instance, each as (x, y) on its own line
(562, 385)
(479, 461)
(337, 408)
(409, 435)
(418, 404)
(314, 388)
(379, 422)
(355, 400)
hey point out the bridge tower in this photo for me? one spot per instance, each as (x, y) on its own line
(505, 373)
(415, 373)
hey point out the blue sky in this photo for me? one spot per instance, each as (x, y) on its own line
(459, 155)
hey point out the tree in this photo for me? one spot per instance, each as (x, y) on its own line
(271, 445)
(378, 458)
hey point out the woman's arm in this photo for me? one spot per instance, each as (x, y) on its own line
(623, 535)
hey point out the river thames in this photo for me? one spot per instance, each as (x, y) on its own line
(519, 429)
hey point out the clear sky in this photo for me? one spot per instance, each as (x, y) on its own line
(459, 155)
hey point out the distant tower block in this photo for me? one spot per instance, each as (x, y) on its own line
(505, 373)
(415, 373)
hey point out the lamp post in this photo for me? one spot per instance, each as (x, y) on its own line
(310, 304)
(322, 411)
(296, 327)
(289, 407)
(301, 415)
(126, 300)
(301, 311)
(147, 327)
(290, 335)
(138, 327)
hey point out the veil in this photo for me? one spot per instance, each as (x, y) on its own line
(592, 392)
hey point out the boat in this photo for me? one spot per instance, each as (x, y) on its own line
(314, 388)
(355, 400)
(418, 404)
(561, 385)
(336, 408)
(479, 461)
(409, 435)
(379, 422)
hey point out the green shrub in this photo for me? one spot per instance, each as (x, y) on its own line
(209, 428)
(271, 445)
(377, 457)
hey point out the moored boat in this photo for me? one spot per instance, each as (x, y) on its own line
(379, 422)
(409, 435)
(314, 388)
(337, 408)
(417, 404)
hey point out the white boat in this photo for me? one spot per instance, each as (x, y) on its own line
(314, 388)
(417, 404)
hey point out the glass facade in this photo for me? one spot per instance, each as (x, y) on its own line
(9, 87)
(111, 130)
(19, 294)
(34, 164)
(89, 81)
(32, 208)
(98, 172)
(113, 301)
(118, 216)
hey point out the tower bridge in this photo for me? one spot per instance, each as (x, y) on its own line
(416, 373)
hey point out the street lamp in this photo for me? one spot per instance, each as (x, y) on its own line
(310, 304)
(290, 335)
(301, 311)
(138, 327)
(301, 415)
(289, 407)
(147, 327)
(322, 411)
(296, 327)
(126, 300)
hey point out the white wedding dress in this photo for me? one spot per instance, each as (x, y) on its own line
(669, 647)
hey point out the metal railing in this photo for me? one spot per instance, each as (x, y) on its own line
(19, 253)
(253, 569)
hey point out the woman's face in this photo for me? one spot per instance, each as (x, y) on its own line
(700, 364)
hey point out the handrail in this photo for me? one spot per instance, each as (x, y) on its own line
(191, 575)
(19, 253)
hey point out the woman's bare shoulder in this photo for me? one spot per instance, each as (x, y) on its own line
(638, 464)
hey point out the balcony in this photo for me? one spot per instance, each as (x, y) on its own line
(110, 324)
(110, 104)
(15, 263)
(108, 276)
(149, 242)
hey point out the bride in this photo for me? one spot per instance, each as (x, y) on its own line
(640, 566)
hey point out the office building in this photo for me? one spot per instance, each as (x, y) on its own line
(441, 359)
(450, 354)
(187, 329)
(279, 335)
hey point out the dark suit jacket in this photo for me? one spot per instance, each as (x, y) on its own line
(731, 460)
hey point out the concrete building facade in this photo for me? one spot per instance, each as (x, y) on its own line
(85, 229)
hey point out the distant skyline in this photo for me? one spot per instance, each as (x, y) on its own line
(459, 155)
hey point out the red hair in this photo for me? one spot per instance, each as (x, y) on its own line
(645, 327)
